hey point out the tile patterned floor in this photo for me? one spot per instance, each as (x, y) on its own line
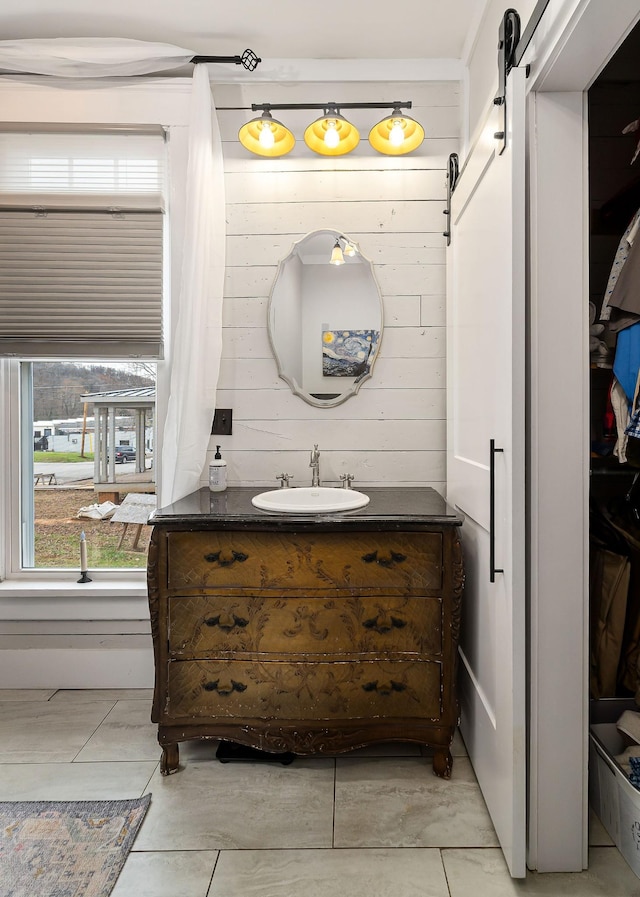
(374, 823)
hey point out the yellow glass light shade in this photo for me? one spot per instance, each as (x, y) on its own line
(331, 135)
(349, 249)
(337, 257)
(265, 136)
(396, 135)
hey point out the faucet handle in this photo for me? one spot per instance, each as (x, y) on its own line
(347, 479)
(284, 479)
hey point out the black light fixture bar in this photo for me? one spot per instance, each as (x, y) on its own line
(248, 59)
(267, 107)
(331, 134)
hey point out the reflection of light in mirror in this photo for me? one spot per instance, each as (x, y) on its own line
(349, 249)
(337, 257)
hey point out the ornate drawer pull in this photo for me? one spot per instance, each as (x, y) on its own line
(393, 558)
(384, 624)
(227, 622)
(215, 556)
(386, 688)
(224, 689)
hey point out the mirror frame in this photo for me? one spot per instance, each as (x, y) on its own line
(294, 386)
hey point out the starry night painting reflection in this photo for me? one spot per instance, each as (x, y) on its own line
(348, 353)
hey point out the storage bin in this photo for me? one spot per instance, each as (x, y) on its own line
(612, 796)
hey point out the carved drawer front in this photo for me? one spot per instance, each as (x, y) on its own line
(302, 691)
(210, 625)
(391, 563)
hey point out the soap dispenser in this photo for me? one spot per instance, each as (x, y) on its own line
(218, 473)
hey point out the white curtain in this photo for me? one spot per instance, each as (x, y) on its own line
(197, 344)
(86, 57)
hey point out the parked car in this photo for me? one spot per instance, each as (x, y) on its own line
(125, 453)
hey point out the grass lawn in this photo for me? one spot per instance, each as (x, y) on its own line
(67, 457)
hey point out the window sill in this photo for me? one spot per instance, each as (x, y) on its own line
(48, 599)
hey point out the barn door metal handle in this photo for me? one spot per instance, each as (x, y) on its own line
(492, 511)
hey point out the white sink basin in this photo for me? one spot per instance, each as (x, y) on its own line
(310, 500)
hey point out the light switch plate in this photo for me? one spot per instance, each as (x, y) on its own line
(222, 422)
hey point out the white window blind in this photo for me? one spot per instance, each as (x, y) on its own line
(81, 237)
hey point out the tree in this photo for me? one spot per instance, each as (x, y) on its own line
(58, 386)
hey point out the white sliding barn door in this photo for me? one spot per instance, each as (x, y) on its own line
(486, 407)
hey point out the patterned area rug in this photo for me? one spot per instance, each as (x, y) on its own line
(66, 848)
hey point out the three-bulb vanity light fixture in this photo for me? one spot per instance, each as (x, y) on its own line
(331, 134)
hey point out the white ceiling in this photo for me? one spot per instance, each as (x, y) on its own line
(274, 29)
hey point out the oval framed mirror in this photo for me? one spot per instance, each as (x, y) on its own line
(325, 318)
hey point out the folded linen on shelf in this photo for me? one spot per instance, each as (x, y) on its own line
(629, 725)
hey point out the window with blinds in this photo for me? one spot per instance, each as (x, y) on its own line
(81, 244)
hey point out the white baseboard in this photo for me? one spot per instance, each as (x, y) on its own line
(77, 667)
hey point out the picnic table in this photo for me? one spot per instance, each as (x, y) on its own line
(40, 478)
(135, 510)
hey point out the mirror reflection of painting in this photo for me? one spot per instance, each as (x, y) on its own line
(348, 353)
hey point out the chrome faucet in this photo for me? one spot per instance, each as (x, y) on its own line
(314, 464)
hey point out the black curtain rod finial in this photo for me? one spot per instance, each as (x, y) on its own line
(248, 59)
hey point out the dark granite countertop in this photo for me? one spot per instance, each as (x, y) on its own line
(389, 507)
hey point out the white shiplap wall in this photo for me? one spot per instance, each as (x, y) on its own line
(393, 430)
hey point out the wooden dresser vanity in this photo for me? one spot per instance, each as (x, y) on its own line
(307, 634)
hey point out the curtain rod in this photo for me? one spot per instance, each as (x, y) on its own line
(248, 59)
